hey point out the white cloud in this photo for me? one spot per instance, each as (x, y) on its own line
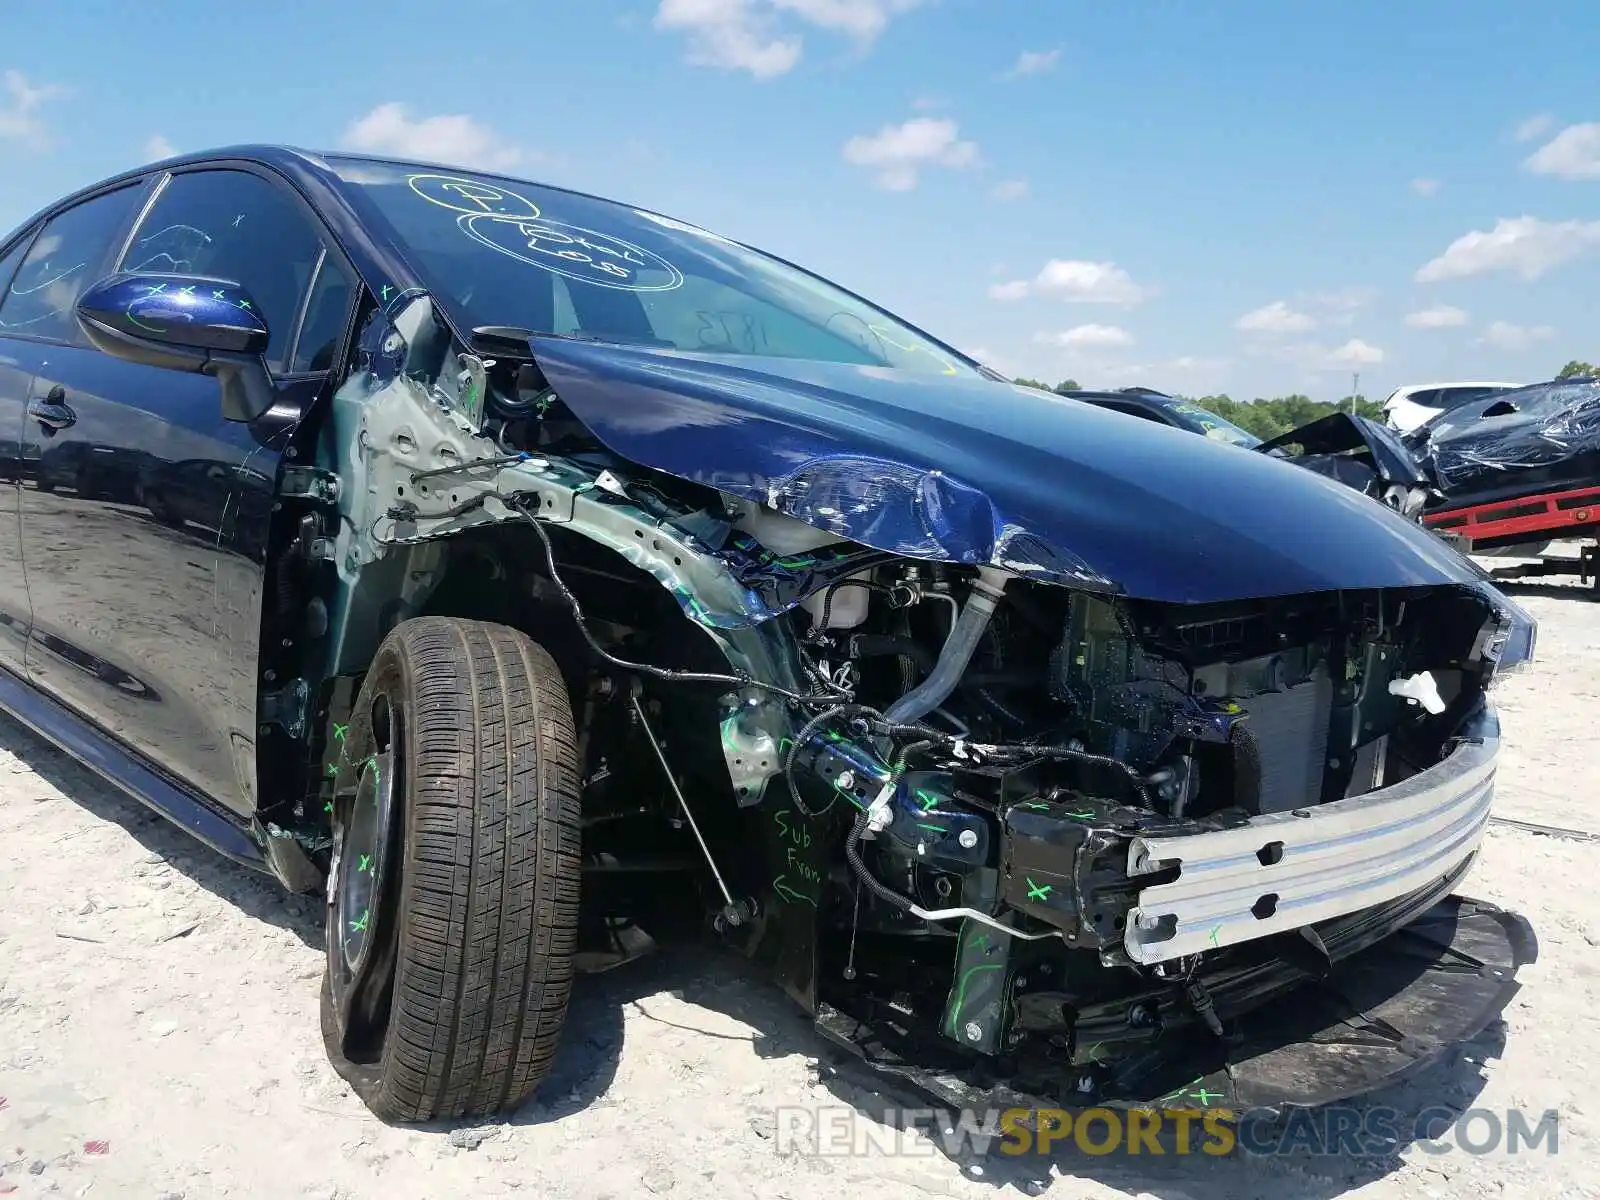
(1506, 336)
(19, 110)
(157, 147)
(1574, 153)
(1034, 62)
(748, 35)
(1009, 189)
(897, 153)
(1187, 372)
(1347, 299)
(1534, 127)
(458, 140)
(1078, 282)
(1354, 353)
(1424, 187)
(1082, 337)
(1016, 289)
(863, 19)
(1276, 317)
(1524, 246)
(1441, 317)
(731, 34)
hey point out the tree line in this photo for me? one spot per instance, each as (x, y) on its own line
(1267, 418)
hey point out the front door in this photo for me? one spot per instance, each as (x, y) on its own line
(147, 552)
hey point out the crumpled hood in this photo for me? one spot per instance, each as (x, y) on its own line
(967, 470)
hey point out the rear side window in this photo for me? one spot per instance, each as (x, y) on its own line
(64, 259)
(236, 226)
(1455, 397)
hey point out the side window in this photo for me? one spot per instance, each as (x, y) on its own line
(236, 226)
(64, 259)
(9, 261)
(325, 318)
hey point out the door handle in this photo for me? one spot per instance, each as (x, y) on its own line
(53, 411)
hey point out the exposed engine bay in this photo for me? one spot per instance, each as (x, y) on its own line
(958, 809)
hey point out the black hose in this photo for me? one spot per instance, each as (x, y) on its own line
(852, 855)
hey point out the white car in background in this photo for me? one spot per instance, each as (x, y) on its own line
(1411, 407)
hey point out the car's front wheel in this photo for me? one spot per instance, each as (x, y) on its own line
(453, 891)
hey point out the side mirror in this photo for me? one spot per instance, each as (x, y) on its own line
(184, 323)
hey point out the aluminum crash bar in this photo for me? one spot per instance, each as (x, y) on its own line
(1285, 870)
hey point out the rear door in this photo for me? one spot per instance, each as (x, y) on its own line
(147, 558)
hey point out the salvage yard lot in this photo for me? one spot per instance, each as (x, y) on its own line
(158, 1027)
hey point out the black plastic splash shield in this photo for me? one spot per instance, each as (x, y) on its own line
(1380, 1015)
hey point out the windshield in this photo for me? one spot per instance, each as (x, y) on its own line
(550, 261)
(1202, 420)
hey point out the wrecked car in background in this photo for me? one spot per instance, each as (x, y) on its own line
(1534, 441)
(573, 566)
(1356, 451)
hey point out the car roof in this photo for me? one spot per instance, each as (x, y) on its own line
(1409, 388)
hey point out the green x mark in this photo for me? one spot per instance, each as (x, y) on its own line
(328, 807)
(360, 925)
(1206, 1097)
(929, 802)
(365, 864)
(1035, 892)
(152, 288)
(219, 294)
(339, 731)
(383, 293)
(1038, 805)
(187, 290)
(333, 768)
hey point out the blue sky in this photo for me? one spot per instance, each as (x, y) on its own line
(1251, 197)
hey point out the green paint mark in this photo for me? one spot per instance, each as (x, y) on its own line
(783, 888)
(939, 829)
(383, 293)
(1037, 805)
(365, 865)
(360, 925)
(328, 807)
(928, 801)
(187, 290)
(218, 295)
(152, 288)
(333, 769)
(961, 990)
(1181, 1092)
(1080, 816)
(1206, 1097)
(1214, 931)
(244, 304)
(1035, 892)
(339, 731)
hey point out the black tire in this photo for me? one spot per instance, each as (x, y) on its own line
(452, 1004)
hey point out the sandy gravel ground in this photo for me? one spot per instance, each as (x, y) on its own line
(158, 1029)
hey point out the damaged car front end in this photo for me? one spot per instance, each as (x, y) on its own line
(1036, 754)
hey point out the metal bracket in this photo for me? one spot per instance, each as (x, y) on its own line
(309, 483)
(287, 707)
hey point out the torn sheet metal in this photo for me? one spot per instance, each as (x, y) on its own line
(1535, 439)
(967, 470)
